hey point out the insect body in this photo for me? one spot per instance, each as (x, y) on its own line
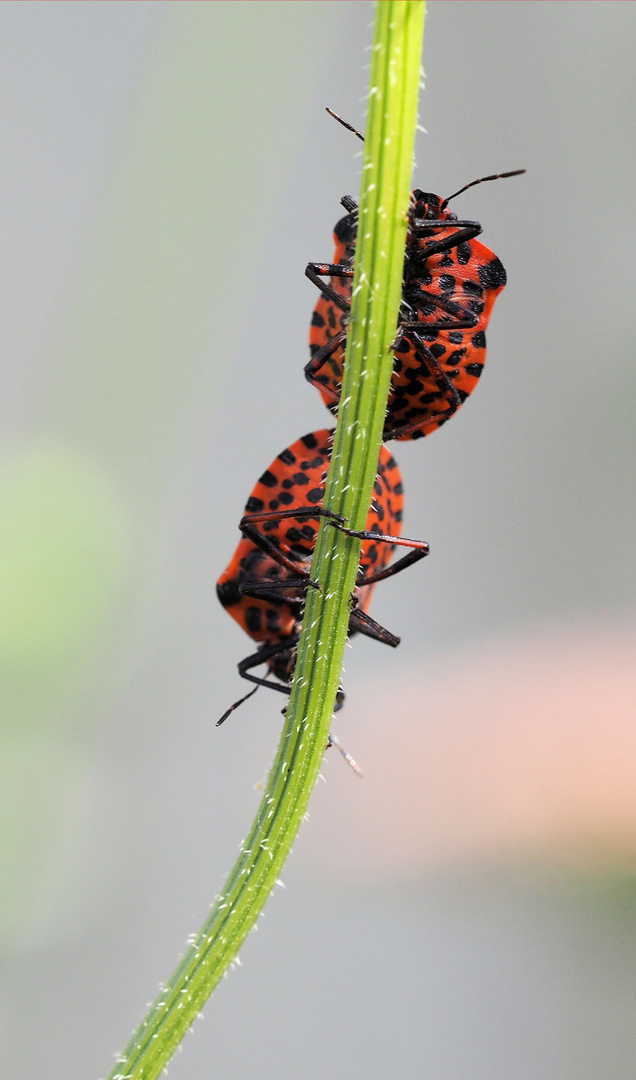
(265, 584)
(450, 284)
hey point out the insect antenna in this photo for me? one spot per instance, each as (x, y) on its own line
(482, 180)
(235, 706)
(344, 123)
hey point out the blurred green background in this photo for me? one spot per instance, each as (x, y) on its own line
(469, 909)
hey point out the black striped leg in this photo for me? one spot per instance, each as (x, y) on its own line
(462, 318)
(248, 526)
(420, 227)
(301, 512)
(359, 620)
(393, 568)
(384, 538)
(266, 590)
(444, 384)
(317, 361)
(362, 623)
(316, 271)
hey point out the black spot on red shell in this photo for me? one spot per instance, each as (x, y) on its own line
(253, 619)
(228, 593)
(268, 479)
(492, 275)
(402, 347)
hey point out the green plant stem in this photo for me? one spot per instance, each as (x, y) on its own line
(377, 286)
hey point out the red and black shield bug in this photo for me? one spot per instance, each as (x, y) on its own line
(264, 586)
(451, 281)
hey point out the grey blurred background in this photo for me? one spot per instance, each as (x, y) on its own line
(469, 908)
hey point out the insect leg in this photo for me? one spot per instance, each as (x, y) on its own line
(444, 385)
(319, 358)
(248, 527)
(466, 230)
(364, 624)
(383, 538)
(407, 560)
(316, 271)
